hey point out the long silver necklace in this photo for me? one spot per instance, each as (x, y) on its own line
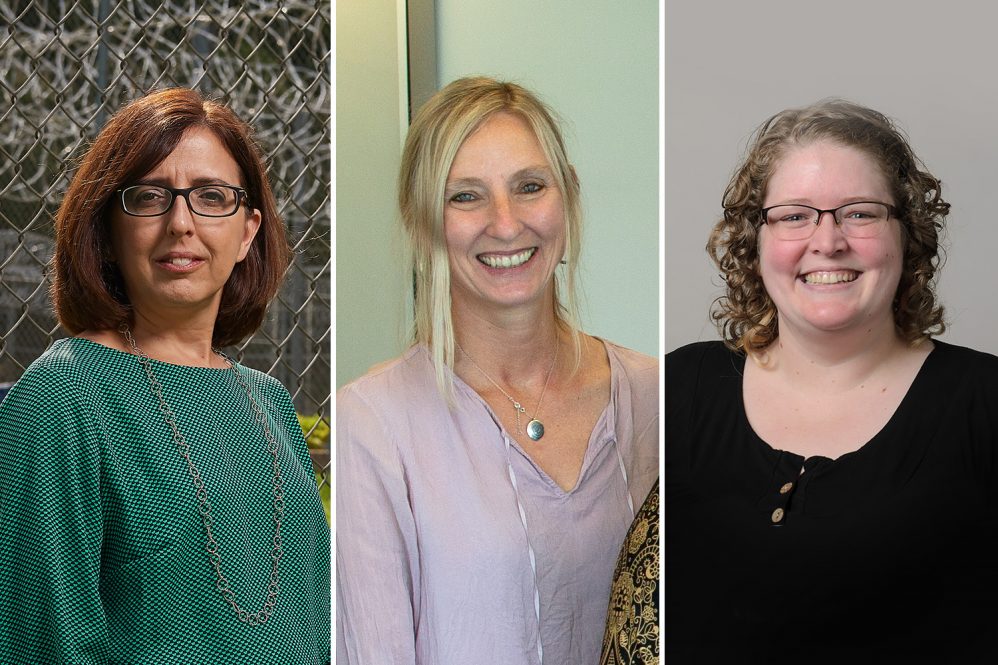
(535, 428)
(201, 492)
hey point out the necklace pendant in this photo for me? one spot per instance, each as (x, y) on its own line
(535, 429)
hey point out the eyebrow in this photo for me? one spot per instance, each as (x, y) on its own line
(542, 172)
(196, 182)
(809, 202)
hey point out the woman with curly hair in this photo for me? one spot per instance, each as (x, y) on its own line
(830, 468)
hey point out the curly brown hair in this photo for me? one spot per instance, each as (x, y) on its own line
(746, 316)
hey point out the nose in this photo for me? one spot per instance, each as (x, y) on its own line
(180, 219)
(505, 223)
(828, 238)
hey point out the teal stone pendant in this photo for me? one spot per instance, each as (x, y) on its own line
(535, 429)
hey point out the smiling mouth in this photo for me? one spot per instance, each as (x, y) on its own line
(507, 260)
(180, 264)
(830, 277)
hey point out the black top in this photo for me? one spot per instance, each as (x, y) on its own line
(886, 554)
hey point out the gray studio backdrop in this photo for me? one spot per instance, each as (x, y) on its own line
(729, 66)
(596, 65)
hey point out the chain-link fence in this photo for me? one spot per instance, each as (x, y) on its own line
(66, 66)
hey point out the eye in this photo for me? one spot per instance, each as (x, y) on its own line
(532, 187)
(210, 194)
(793, 218)
(148, 194)
(789, 215)
(463, 197)
(865, 213)
(214, 198)
(146, 199)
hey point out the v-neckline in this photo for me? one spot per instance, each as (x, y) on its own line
(604, 430)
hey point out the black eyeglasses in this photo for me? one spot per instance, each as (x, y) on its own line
(204, 200)
(862, 219)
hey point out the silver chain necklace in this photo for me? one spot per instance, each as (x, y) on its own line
(201, 492)
(535, 428)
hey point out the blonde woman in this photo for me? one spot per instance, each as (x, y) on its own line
(487, 477)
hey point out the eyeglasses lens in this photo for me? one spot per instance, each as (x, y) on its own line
(150, 200)
(856, 220)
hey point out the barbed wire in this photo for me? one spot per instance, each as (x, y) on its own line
(66, 66)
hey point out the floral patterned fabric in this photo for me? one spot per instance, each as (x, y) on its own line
(632, 631)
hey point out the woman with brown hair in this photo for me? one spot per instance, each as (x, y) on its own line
(160, 500)
(830, 468)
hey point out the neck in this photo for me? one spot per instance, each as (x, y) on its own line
(180, 342)
(840, 359)
(515, 350)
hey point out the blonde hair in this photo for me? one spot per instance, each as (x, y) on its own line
(435, 135)
(746, 316)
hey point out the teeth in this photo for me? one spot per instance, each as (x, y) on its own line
(506, 260)
(180, 261)
(830, 277)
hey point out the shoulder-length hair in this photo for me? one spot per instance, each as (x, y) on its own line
(437, 132)
(746, 316)
(88, 292)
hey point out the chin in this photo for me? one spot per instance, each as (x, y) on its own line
(831, 323)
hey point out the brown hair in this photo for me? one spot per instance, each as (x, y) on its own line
(87, 287)
(746, 316)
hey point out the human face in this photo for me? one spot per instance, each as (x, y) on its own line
(830, 282)
(178, 262)
(504, 220)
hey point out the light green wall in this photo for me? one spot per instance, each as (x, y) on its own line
(597, 67)
(596, 64)
(370, 288)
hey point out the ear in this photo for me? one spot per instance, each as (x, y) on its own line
(250, 228)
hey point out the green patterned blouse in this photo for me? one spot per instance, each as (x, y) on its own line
(103, 547)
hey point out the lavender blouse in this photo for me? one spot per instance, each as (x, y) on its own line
(453, 547)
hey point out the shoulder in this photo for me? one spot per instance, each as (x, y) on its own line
(408, 377)
(697, 352)
(965, 357)
(56, 401)
(949, 364)
(636, 366)
(273, 395)
(395, 397)
(380, 415)
(264, 382)
(700, 373)
(67, 365)
(688, 362)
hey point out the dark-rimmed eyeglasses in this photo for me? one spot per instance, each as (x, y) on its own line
(860, 219)
(203, 200)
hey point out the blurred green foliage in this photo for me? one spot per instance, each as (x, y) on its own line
(315, 429)
(324, 495)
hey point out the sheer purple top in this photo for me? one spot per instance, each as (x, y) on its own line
(453, 547)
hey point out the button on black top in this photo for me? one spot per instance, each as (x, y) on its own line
(890, 551)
